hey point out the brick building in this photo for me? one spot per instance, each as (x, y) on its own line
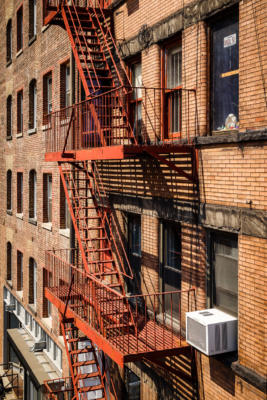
(144, 201)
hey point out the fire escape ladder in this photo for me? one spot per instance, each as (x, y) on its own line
(83, 362)
(92, 223)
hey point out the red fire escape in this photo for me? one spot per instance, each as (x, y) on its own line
(87, 283)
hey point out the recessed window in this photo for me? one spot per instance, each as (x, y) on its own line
(223, 283)
(132, 383)
(32, 105)
(172, 81)
(65, 85)
(32, 194)
(65, 218)
(9, 261)
(134, 251)
(20, 28)
(9, 41)
(225, 73)
(32, 281)
(9, 117)
(20, 111)
(32, 18)
(9, 190)
(47, 96)
(19, 270)
(171, 263)
(136, 99)
(47, 197)
(19, 192)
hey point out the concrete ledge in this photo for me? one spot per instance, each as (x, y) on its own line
(250, 376)
(229, 138)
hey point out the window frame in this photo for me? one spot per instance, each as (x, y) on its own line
(32, 19)
(20, 112)
(19, 270)
(47, 96)
(33, 278)
(9, 261)
(9, 117)
(19, 192)
(19, 19)
(168, 92)
(32, 195)
(210, 281)
(47, 197)
(64, 215)
(135, 101)
(9, 42)
(9, 191)
(33, 104)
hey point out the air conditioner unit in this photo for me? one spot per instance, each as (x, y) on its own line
(211, 331)
(39, 346)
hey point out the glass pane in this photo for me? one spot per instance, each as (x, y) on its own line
(174, 67)
(225, 51)
(137, 80)
(172, 282)
(172, 247)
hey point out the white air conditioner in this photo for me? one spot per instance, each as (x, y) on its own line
(211, 331)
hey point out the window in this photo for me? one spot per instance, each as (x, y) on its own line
(32, 104)
(223, 279)
(47, 197)
(47, 96)
(19, 270)
(65, 85)
(172, 81)
(225, 73)
(32, 18)
(136, 99)
(132, 384)
(134, 251)
(171, 262)
(9, 117)
(9, 41)
(20, 111)
(9, 190)
(9, 261)
(32, 281)
(65, 218)
(20, 28)
(19, 192)
(32, 194)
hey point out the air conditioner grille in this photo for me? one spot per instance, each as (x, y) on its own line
(196, 334)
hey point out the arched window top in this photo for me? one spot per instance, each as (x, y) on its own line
(9, 41)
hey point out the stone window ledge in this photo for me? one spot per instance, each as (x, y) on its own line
(19, 215)
(31, 131)
(33, 221)
(47, 226)
(65, 232)
(19, 53)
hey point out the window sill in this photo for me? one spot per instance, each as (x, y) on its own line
(32, 40)
(65, 232)
(9, 283)
(9, 212)
(47, 322)
(46, 127)
(32, 308)
(47, 226)
(31, 131)
(19, 293)
(45, 27)
(9, 137)
(224, 132)
(18, 135)
(8, 63)
(19, 215)
(33, 221)
(19, 53)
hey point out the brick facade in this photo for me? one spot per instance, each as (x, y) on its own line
(231, 175)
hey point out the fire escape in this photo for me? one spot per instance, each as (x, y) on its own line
(87, 283)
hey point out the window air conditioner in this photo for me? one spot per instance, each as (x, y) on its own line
(211, 331)
(39, 346)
